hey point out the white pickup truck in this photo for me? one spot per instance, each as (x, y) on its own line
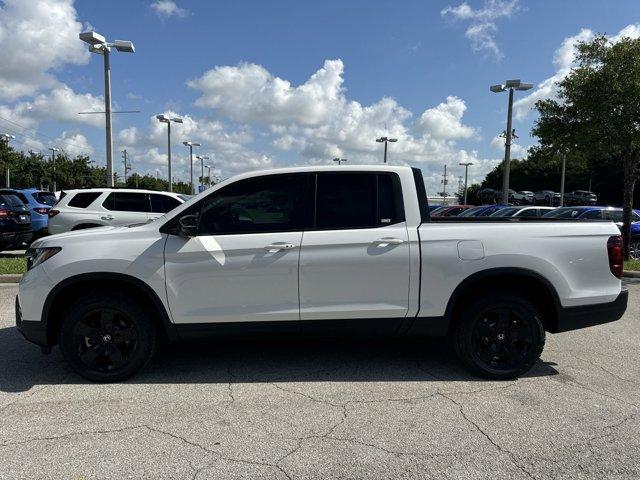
(339, 250)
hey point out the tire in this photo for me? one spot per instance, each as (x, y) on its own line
(634, 249)
(107, 337)
(489, 349)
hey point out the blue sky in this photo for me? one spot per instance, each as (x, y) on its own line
(241, 74)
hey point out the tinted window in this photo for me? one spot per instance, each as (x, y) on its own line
(163, 203)
(614, 215)
(593, 215)
(563, 213)
(390, 208)
(9, 200)
(22, 198)
(127, 202)
(46, 198)
(84, 199)
(346, 200)
(529, 212)
(505, 212)
(272, 203)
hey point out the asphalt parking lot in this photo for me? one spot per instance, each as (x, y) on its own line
(326, 409)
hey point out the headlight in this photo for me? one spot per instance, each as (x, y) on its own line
(35, 256)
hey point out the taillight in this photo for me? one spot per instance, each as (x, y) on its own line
(616, 258)
(41, 210)
(53, 213)
(4, 213)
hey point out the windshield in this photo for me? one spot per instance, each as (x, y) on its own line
(8, 200)
(565, 212)
(505, 212)
(472, 211)
(46, 198)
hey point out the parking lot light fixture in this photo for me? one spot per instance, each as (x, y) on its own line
(202, 165)
(339, 160)
(466, 176)
(386, 140)
(166, 119)
(98, 44)
(191, 145)
(509, 85)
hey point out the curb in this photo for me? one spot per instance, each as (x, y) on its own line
(10, 278)
(630, 274)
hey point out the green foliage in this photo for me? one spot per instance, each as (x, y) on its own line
(13, 265)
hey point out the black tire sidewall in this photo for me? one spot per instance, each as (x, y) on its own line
(141, 318)
(463, 334)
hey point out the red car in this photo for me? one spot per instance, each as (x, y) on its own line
(450, 210)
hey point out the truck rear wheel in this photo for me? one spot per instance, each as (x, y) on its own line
(107, 337)
(500, 336)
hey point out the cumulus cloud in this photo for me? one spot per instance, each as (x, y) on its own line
(563, 60)
(168, 8)
(482, 22)
(313, 122)
(37, 36)
(73, 143)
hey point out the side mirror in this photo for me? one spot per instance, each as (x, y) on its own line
(188, 225)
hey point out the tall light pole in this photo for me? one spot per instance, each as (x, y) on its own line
(466, 175)
(510, 85)
(127, 164)
(209, 167)
(202, 159)
(6, 137)
(386, 140)
(191, 145)
(98, 44)
(339, 160)
(53, 161)
(168, 120)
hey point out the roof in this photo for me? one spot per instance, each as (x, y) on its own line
(127, 190)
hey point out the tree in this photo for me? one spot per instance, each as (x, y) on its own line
(597, 115)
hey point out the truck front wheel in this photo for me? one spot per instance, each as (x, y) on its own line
(500, 336)
(107, 337)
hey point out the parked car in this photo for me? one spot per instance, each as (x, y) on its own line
(251, 255)
(528, 194)
(521, 211)
(15, 221)
(451, 210)
(518, 198)
(546, 197)
(481, 211)
(580, 197)
(97, 207)
(489, 195)
(39, 203)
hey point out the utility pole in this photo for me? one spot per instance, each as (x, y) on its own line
(466, 176)
(53, 161)
(444, 182)
(6, 138)
(127, 166)
(564, 165)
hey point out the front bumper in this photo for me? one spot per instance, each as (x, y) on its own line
(573, 318)
(35, 332)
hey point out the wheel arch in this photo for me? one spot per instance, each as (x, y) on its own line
(521, 281)
(64, 292)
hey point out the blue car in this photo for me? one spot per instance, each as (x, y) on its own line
(481, 211)
(39, 203)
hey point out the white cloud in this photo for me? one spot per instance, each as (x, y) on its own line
(563, 60)
(37, 36)
(315, 121)
(517, 150)
(483, 22)
(73, 143)
(168, 8)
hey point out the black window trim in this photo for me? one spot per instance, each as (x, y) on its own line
(171, 227)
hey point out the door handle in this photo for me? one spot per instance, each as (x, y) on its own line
(383, 242)
(276, 247)
(107, 217)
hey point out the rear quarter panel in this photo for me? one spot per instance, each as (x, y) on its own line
(572, 256)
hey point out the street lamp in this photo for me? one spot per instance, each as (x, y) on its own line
(98, 44)
(191, 145)
(386, 141)
(53, 160)
(202, 159)
(466, 172)
(510, 85)
(6, 137)
(339, 160)
(168, 120)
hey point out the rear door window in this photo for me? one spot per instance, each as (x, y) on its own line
(163, 203)
(127, 202)
(83, 199)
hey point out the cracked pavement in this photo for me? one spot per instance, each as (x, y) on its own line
(305, 409)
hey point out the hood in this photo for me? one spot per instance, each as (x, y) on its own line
(53, 240)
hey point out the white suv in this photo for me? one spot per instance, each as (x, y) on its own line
(98, 207)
